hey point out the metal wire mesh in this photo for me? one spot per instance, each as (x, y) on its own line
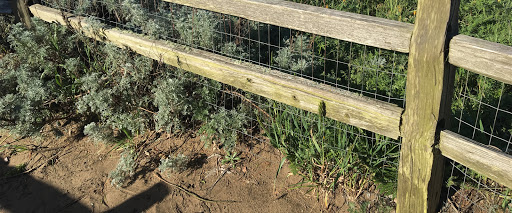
(482, 111)
(369, 71)
(344, 65)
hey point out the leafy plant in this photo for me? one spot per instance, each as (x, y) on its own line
(296, 56)
(19, 169)
(38, 81)
(125, 168)
(222, 129)
(231, 159)
(173, 163)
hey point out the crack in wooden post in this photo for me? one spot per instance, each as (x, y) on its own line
(429, 92)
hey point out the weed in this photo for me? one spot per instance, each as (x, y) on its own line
(13, 149)
(223, 129)
(125, 168)
(231, 159)
(19, 169)
(173, 163)
(330, 151)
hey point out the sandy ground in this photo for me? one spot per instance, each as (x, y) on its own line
(71, 174)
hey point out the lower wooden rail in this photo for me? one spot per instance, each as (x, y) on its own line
(370, 114)
(485, 160)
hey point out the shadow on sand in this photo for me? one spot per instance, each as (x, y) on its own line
(24, 193)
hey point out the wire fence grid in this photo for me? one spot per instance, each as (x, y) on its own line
(482, 111)
(369, 71)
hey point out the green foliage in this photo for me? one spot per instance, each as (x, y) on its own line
(231, 159)
(125, 169)
(98, 133)
(374, 72)
(19, 169)
(399, 10)
(173, 163)
(222, 129)
(5, 26)
(231, 49)
(296, 56)
(324, 151)
(197, 29)
(182, 96)
(116, 92)
(487, 19)
(38, 78)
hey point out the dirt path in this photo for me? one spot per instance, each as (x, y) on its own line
(71, 175)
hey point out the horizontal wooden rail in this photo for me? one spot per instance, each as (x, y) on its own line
(370, 114)
(483, 57)
(483, 159)
(362, 29)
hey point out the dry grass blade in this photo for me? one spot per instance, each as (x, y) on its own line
(194, 195)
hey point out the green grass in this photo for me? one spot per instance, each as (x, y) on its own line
(325, 152)
(17, 170)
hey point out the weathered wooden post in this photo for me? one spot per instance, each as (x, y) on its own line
(21, 12)
(428, 98)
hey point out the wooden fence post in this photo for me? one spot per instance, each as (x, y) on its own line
(428, 98)
(21, 12)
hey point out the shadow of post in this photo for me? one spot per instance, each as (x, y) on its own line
(24, 193)
(143, 200)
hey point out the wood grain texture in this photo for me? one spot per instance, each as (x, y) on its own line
(483, 57)
(344, 106)
(362, 29)
(429, 79)
(21, 12)
(487, 161)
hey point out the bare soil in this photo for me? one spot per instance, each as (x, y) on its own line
(68, 173)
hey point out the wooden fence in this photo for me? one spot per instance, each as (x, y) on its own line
(434, 48)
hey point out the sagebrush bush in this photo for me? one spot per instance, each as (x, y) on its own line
(38, 76)
(181, 97)
(296, 56)
(116, 92)
(173, 163)
(124, 169)
(223, 129)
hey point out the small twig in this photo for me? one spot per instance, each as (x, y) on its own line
(192, 193)
(5, 139)
(147, 110)
(45, 149)
(126, 191)
(218, 179)
(360, 189)
(248, 101)
(452, 205)
(72, 203)
(20, 174)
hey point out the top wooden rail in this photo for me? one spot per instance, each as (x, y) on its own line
(361, 29)
(483, 57)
